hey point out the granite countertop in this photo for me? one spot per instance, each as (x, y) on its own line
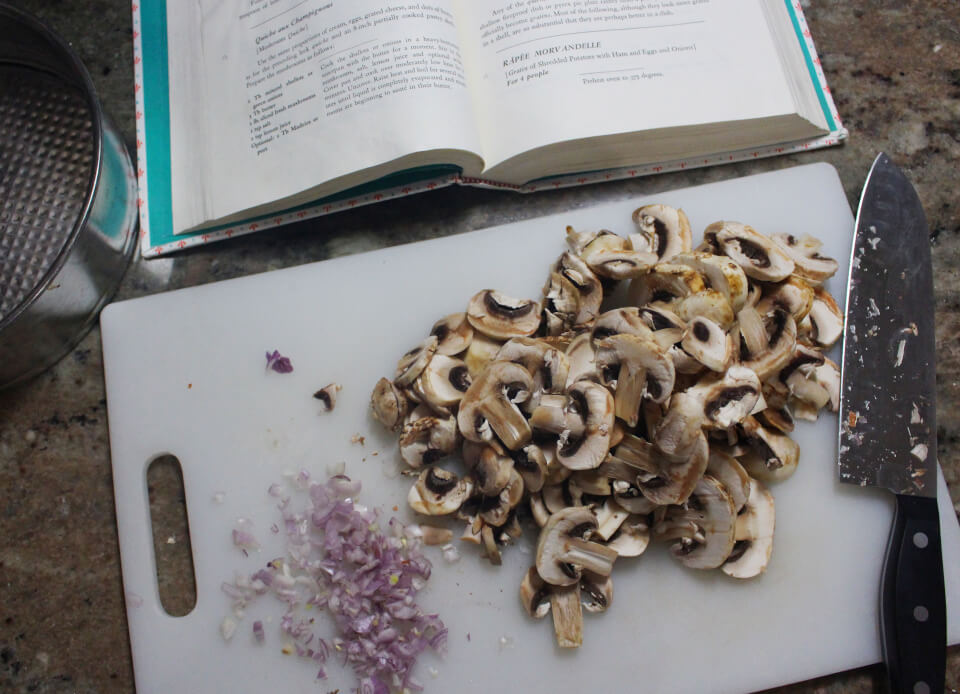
(894, 70)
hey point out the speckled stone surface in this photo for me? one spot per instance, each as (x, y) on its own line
(894, 68)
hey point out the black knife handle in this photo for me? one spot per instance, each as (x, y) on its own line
(913, 612)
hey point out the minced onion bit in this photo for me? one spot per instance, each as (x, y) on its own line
(367, 579)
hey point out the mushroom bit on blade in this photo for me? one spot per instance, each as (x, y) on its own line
(648, 393)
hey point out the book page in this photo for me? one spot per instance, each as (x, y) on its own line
(548, 71)
(297, 93)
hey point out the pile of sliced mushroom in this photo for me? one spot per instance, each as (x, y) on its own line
(661, 419)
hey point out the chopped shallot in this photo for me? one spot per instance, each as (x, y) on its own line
(279, 363)
(366, 577)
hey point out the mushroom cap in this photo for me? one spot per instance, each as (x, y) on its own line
(564, 548)
(595, 406)
(704, 530)
(753, 535)
(454, 334)
(500, 316)
(665, 230)
(438, 492)
(758, 256)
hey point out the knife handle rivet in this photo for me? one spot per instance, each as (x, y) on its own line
(921, 688)
(920, 540)
(921, 613)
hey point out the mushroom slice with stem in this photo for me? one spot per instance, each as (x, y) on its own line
(753, 535)
(567, 615)
(799, 377)
(490, 405)
(412, 364)
(493, 470)
(389, 404)
(438, 492)
(534, 594)
(625, 320)
(611, 256)
(443, 382)
(677, 433)
(557, 414)
(707, 303)
(703, 530)
(596, 592)
(636, 368)
(561, 304)
(766, 342)
(454, 334)
(629, 497)
(772, 456)
(721, 273)
(500, 316)
(495, 511)
(594, 404)
(827, 375)
(587, 284)
(758, 256)
(706, 342)
(565, 550)
(826, 318)
(427, 437)
(610, 517)
(662, 230)
(805, 253)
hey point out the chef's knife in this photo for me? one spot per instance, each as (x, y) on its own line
(888, 427)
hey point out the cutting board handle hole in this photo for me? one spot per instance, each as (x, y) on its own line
(172, 550)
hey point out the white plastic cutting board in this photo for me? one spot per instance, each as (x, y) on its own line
(185, 375)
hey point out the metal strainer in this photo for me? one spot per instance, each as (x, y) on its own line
(67, 199)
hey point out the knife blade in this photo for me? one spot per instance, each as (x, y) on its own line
(888, 428)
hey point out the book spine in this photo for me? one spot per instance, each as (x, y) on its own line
(141, 148)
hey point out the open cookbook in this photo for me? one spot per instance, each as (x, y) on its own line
(256, 113)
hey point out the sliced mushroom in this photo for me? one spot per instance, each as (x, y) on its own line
(766, 342)
(729, 399)
(531, 463)
(454, 334)
(827, 375)
(538, 509)
(662, 230)
(495, 511)
(412, 364)
(826, 317)
(635, 368)
(772, 456)
(707, 342)
(567, 615)
(805, 253)
(490, 405)
(587, 285)
(427, 437)
(799, 376)
(610, 517)
(794, 295)
(389, 404)
(480, 353)
(594, 404)
(596, 592)
(632, 537)
(679, 430)
(438, 492)
(625, 320)
(676, 481)
(753, 535)
(758, 256)
(721, 273)
(443, 382)
(489, 541)
(703, 530)
(610, 255)
(581, 357)
(707, 303)
(534, 594)
(492, 471)
(547, 366)
(500, 316)
(564, 549)
(728, 472)
(561, 304)
(666, 285)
